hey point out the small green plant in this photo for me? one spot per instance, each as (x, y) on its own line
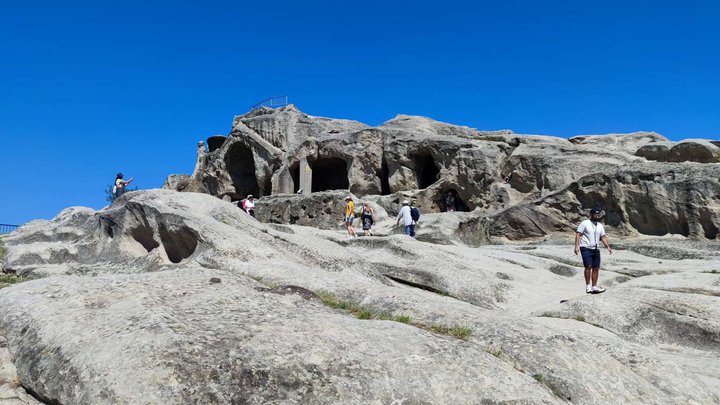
(713, 271)
(460, 332)
(538, 377)
(495, 351)
(331, 300)
(403, 319)
(9, 279)
(110, 197)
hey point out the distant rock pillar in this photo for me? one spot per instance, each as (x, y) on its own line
(200, 162)
(305, 176)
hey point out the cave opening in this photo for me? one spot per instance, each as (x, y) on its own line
(179, 242)
(384, 178)
(241, 168)
(295, 176)
(329, 174)
(456, 202)
(426, 170)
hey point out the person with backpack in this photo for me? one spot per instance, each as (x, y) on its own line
(406, 217)
(367, 219)
(248, 205)
(120, 185)
(415, 215)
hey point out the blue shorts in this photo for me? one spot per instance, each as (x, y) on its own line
(591, 257)
(349, 220)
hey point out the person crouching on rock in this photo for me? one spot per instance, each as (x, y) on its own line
(367, 219)
(350, 216)
(120, 185)
(248, 205)
(587, 242)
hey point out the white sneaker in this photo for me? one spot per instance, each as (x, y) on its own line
(588, 289)
(597, 290)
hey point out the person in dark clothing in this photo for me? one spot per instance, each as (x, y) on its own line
(367, 219)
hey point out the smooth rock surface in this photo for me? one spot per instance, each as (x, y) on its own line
(168, 297)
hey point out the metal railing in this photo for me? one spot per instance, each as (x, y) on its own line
(5, 228)
(272, 102)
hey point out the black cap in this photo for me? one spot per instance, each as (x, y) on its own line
(595, 210)
(119, 175)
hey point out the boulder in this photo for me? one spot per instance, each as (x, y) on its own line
(695, 150)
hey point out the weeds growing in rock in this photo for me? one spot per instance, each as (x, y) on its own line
(331, 300)
(495, 351)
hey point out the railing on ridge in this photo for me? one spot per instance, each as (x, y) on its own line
(272, 102)
(5, 228)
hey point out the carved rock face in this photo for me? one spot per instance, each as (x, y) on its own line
(284, 151)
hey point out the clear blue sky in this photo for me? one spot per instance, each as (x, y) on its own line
(88, 89)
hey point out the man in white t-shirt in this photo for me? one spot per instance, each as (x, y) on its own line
(588, 237)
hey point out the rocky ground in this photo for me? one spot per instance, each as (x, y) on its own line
(168, 297)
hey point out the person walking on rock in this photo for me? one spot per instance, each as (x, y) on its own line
(120, 185)
(587, 242)
(367, 218)
(350, 216)
(406, 218)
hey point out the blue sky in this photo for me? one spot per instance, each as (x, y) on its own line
(88, 89)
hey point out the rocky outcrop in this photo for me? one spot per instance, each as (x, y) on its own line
(690, 150)
(169, 297)
(494, 174)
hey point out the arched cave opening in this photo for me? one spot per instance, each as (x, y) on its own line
(215, 142)
(179, 243)
(426, 170)
(295, 176)
(241, 168)
(143, 234)
(706, 221)
(458, 204)
(329, 174)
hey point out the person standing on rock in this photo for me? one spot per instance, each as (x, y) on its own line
(120, 185)
(367, 218)
(406, 218)
(587, 242)
(350, 216)
(450, 202)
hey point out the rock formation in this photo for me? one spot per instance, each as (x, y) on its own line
(516, 186)
(181, 297)
(168, 297)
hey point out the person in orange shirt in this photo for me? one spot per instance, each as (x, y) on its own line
(350, 216)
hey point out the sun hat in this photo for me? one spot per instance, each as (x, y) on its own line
(405, 202)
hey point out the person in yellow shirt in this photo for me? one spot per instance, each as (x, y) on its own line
(350, 216)
(120, 185)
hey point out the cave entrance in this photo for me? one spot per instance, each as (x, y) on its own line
(457, 202)
(426, 170)
(329, 174)
(384, 178)
(295, 177)
(241, 168)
